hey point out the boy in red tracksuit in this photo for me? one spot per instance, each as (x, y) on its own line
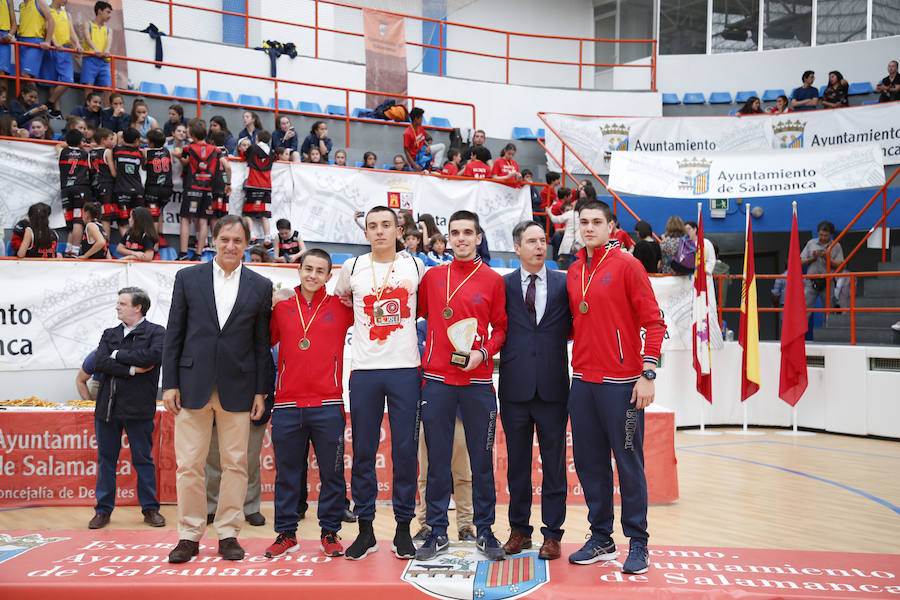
(309, 330)
(463, 296)
(612, 382)
(258, 187)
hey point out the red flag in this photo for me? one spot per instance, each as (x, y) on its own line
(700, 318)
(748, 336)
(792, 381)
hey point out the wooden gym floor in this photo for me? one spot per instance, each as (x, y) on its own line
(822, 492)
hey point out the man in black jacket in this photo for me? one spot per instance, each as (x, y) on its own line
(128, 359)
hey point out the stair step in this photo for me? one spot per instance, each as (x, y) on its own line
(876, 301)
(864, 319)
(864, 335)
(888, 266)
(886, 287)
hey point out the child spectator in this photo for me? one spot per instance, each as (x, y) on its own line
(92, 109)
(317, 138)
(32, 237)
(647, 249)
(4, 104)
(283, 154)
(805, 97)
(8, 127)
(201, 160)
(548, 194)
(25, 108)
(158, 185)
(781, 106)
(405, 222)
(74, 184)
(751, 107)
(128, 189)
(528, 179)
(290, 244)
(835, 95)
(39, 129)
(564, 195)
(438, 255)
(252, 126)
(94, 244)
(139, 242)
(259, 254)
(369, 160)
(179, 138)
(340, 158)
(258, 187)
(217, 123)
(243, 145)
(568, 244)
(625, 241)
(315, 156)
(284, 136)
(505, 168)
(413, 241)
(97, 40)
(221, 189)
(114, 118)
(91, 131)
(104, 176)
(73, 122)
(451, 167)
(400, 164)
(58, 63)
(176, 117)
(477, 166)
(419, 154)
(428, 228)
(8, 28)
(141, 119)
(35, 27)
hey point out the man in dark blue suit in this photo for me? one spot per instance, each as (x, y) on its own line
(534, 384)
(216, 367)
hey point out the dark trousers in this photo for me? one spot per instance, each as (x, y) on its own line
(477, 406)
(368, 390)
(292, 431)
(520, 420)
(604, 420)
(109, 443)
(302, 504)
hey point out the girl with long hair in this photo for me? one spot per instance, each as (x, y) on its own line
(38, 240)
(139, 242)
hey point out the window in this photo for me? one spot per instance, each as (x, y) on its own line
(735, 25)
(682, 26)
(885, 18)
(840, 21)
(788, 24)
(635, 23)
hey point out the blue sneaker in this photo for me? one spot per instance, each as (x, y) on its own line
(638, 560)
(596, 549)
(434, 544)
(490, 546)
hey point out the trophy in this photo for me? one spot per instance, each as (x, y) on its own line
(462, 336)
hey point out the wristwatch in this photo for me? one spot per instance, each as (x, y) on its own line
(648, 374)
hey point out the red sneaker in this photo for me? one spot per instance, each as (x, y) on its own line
(330, 544)
(285, 542)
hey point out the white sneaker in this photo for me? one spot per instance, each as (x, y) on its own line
(896, 326)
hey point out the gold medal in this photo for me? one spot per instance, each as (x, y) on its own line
(583, 307)
(304, 344)
(447, 312)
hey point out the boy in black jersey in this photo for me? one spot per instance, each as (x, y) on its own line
(74, 185)
(258, 187)
(128, 190)
(201, 160)
(158, 187)
(104, 178)
(222, 179)
(290, 245)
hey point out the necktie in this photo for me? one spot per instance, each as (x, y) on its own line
(529, 297)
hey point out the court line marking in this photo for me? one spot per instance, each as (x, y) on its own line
(866, 495)
(19, 508)
(841, 450)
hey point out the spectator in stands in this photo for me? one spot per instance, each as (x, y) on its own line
(406, 222)
(259, 254)
(282, 154)
(505, 168)
(258, 185)
(97, 39)
(243, 145)
(39, 129)
(889, 88)
(32, 237)
(548, 194)
(709, 251)
(669, 244)
(813, 258)
(751, 107)
(563, 195)
(625, 241)
(647, 249)
(317, 138)
(179, 138)
(141, 119)
(4, 103)
(528, 179)
(94, 243)
(477, 166)
(805, 97)
(221, 186)
(413, 241)
(478, 140)
(586, 193)
(139, 242)
(115, 118)
(25, 108)
(290, 244)
(369, 160)
(419, 153)
(158, 184)
(9, 128)
(428, 228)
(252, 126)
(284, 136)
(315, 156)
(400, 164)
(568, 242)
(217, 123)
(92, 109)
(201, 160)
(781, 106)
(835, 95)
(451, 167)
(35, 27)
(340, 158)
(438, 255)
(77, 123)
(176, 117)
(58, 63)
(8, 28)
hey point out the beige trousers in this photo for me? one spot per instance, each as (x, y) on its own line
(462, 478)
(214, 471)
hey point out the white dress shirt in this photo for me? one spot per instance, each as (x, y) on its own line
(540, 290)
(125, 331)
(225, 290)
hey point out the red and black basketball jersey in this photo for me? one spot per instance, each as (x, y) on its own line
(128, 170)
(220, 177)
(74, 168)
(290, 246)
(102, 175)
(203, 161)
(86, 245)
(158, 164)
(260, 163)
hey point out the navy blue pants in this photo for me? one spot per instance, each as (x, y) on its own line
(604, 420)
(292, 430)
(302, 504)
(109, 443)
(368, 390)
(520, 420)
(478, 408)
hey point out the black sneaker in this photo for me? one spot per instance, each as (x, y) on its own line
(183, 257)
(55, 114)
(402, 545)
(364, 544)
(434, 544)
(596, 549)
(490, 546)
(638, 560)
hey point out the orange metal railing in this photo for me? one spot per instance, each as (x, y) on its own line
(442, 46)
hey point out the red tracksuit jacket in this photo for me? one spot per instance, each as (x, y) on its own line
(484, 297)
(311, 377)
(607, 346)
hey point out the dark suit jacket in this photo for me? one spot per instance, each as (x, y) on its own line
(121, 395)
(199, 356)
(534, 360)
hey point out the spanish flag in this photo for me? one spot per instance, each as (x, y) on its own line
(748, 336)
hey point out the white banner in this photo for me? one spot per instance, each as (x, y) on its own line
(746, 174)
(596, 138)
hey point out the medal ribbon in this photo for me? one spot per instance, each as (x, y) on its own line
(449, 295)
(300, 312)
(584, 288)
(379, 291)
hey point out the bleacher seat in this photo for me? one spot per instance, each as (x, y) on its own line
(337, 110)
(694, 98)
(387, 167)
(208, 255)
(182, 91)
(218, 96)
(670, 99)
(733, 112)
(61, 248)
(720, 98)
(515, 263)
(541, 133)
(9, 251)
(551, 264)
(151, 87)
(439, 122)
(309, 107)
(745, 95)
(498, 262)
(865, 102)
(57, 136)
(822, 89)
(772, 95)
(357, 111)
(359, 164)
(860, 87)
(339, 258)
(167, 253)
(522, 133)
(250, 101)
(283, 104)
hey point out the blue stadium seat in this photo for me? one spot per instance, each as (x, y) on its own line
(865, 102)
(772, 95)
(551, 264)
(334, 109)
(60, 248)
(356, 112)
(387, 167)
(439, 122)
(744, 95)
(498, 262)
(218, 96)
(822, 89)
(522, 133)
(860, 87)
(733, 112)
(720, 98)
(283, 104)
(670, 99)
(359, 164)
(694, 98)
(309, 107)
(151, 87)
(208, 255)
(339, 258)
(515, 263)
(541, 133)
(57, 136)
(188, 93)
(250, 101)
(9, 251)
(167, 253)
